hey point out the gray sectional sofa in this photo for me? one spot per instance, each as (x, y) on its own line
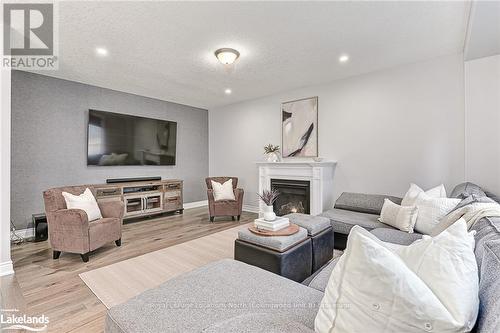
(230, 296)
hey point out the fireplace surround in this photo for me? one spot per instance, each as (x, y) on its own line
(319, 175)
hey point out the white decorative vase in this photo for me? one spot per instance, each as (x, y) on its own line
(269, 213)
(273, 157)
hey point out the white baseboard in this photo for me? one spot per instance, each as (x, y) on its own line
(195, 204)
(6, 268)
(251, 208)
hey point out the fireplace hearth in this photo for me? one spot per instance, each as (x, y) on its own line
(294, 196)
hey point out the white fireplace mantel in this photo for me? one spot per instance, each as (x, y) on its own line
(319, 175)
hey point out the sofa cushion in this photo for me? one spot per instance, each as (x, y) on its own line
(258, 323)
(320, 279)
(487, 229)
(103, 231)
(85, 201)
(431, 211)
(364, 203)
(463, 190)
(396, 236)
(212, 294)
(487, 252)
(414, 192)
(402, 292)
(223, 191)
(489, 288)
(400, 217)
(343, 220)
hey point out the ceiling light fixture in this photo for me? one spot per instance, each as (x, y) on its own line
(227, 55)
(101, 51)
(344, 58)
(228, 91)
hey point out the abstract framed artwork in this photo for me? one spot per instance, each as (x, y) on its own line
(299, 128)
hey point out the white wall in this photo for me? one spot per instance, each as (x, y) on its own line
(385, 129)
(5, 261)
(482, 86)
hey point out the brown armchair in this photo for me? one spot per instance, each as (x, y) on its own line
(70, 229)
(224, 207)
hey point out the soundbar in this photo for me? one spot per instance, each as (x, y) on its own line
(130, 180)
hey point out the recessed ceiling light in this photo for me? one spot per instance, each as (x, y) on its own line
(228, 91)
(344, 58)
(227, 55)
(101, 51)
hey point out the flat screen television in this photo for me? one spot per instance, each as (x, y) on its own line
(119, 139)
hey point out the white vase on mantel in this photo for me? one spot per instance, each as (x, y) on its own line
(273, 157)
(269, 214)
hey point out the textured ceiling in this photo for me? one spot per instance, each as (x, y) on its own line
(165, 49)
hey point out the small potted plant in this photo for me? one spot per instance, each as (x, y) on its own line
(272, 152)
(268, 197)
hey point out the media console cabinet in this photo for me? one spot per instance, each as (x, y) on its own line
(145, 197)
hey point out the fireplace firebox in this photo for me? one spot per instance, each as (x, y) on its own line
(294, 196)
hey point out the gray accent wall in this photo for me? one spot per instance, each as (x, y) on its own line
(49, 140)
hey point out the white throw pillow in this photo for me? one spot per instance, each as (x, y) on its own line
(414, 191)
(431, 211)
(428, 286)
(85, 202)
(401, 217)
(223, 191)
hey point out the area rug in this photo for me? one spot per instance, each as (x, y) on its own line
(116, 283)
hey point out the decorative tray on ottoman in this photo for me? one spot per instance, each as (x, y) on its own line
(290, 230)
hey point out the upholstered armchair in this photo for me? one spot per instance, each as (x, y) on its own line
(70, 229)
(231, 208)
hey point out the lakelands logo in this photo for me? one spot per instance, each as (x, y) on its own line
(29, 36)
(12, 320)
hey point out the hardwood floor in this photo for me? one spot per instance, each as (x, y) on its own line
(53, 287)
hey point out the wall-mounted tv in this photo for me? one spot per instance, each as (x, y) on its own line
(119, 139)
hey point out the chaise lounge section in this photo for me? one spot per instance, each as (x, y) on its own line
(223, 294)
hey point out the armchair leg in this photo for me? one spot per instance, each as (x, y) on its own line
(211, 218)
(85, 257)
(56, 254)
(239, 216)
(232, 218)
(118, 242)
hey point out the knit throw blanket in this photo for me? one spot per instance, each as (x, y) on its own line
(470, 213)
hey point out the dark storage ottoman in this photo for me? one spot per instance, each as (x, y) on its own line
(288, 256)
(320, 231)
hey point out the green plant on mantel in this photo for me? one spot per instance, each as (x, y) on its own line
(268, 149)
